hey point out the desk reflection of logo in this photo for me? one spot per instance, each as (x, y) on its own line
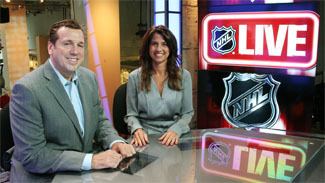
(250, 100)
(219, 153)
(223, 39)
(250, 159)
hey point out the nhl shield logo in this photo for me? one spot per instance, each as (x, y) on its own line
(223, 39)
(219, 153)
(250, 100)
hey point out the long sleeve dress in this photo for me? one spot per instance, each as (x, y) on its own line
(155, 113)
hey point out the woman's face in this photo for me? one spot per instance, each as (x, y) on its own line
(158, 49)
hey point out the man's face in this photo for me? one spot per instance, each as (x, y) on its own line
(68, 51)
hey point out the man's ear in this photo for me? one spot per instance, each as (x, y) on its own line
(50, 47)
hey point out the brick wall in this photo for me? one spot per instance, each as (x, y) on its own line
(16, 45)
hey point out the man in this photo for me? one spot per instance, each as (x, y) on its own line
(56, 115)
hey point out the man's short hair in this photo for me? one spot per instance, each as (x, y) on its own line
(72, 24)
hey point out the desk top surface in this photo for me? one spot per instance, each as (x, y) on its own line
(222, 155)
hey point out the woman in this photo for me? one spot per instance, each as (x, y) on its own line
(159, 93)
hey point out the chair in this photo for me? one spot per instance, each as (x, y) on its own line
(6, 139)
(119, 111)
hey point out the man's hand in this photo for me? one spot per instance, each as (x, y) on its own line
(140, 138)
(126, 150)
(169, 138)
(106, 159)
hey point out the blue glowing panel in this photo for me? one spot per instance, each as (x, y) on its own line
(160, 19)
(174, 5)
(175, 27)
(159, 5)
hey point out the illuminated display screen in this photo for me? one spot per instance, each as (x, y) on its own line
(227, 99)
(259, 39)
(258, 56)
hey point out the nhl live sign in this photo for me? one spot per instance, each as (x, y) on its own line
(261, 39)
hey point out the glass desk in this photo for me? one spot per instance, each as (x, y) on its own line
(219, 155)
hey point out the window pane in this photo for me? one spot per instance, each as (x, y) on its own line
(159, 5)
(175, 27)
(160, 19)
(174, 5)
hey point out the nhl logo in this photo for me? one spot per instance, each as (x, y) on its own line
(219, 153)
(250, 100)
(223, 39)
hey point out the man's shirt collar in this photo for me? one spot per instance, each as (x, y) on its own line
(62, 79)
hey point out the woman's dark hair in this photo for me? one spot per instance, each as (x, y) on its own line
(72, 24)
(173, 68)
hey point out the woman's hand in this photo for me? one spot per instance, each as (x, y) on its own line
(140, 138)
(169, 138)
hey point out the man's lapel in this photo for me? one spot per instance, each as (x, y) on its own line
(85, 94)
(55, 87)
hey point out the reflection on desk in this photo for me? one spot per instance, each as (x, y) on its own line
(135, 163)
(221, 155)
